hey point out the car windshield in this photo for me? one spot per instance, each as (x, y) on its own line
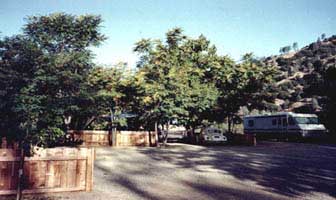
(307, 120)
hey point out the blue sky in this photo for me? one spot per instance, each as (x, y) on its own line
(234, 26)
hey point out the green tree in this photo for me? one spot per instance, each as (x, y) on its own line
(98, 96)
(185, 79)
(285, 49)
(243, 84)
(172, 75)
(18, 64)
(60, 61)
(295, 46)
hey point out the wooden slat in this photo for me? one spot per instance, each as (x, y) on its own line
(64, 176)
(71, 170)
(50, 174)
(89, 170)
(57, 174)
(40, 177)
(81, 173)
(3, 176)
(32, 180)
(14, 174)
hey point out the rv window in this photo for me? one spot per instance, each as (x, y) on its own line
(273, 122)
(279, 121)
(307, 120)
(291, 121)
(284, 122)
(250, 123)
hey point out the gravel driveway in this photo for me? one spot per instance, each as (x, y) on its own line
(267, 171)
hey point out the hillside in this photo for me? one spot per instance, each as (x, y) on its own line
(301, 73)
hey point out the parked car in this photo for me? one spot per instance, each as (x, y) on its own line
(212, 135)
(173, 136)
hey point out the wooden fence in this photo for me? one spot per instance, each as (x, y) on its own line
(60, 169)
(123, 138)
(136, 138)
(92, 138)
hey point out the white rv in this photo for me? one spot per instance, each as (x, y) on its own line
(286, 124)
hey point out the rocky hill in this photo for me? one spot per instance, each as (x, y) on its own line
(300, 75)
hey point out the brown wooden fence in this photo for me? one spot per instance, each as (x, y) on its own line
(58, 169)
(91, 138)
(123, 138)
(136, 138)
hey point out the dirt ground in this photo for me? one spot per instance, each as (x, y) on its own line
(271, 170)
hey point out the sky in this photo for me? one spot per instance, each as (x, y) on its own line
(234, 26)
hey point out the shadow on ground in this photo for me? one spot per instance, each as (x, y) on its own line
(289, 170)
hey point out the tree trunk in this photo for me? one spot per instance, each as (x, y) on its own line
(150, 138)
(166, 134)
(194, 136)
(20, 177)
(229, 123)
(110, 136)
(110, 133)
(156, 134)
(88, 122)
(114, 136)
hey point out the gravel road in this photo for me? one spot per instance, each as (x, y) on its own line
(268, 171)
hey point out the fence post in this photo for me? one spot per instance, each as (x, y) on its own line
(89, 170)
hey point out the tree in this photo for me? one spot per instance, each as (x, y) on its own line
(54, 51)
(185, 79)
(295, 46)
(98, 96)
(18, 64)
(244, 84)
(285, 49)
(281, 50)
(324, 82)
(323, 36)
(173, 76)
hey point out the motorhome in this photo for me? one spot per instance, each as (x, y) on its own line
(286, 124)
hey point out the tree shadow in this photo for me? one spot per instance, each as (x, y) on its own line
(277, 170)
(282, 168)
(206, 191)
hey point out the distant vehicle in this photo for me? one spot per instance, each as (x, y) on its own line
(173, 136)
(176, 135)
(213, 135)
(284, 125)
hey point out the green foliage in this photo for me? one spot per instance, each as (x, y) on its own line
(245, 84)
(51, 84)
(98, 96)
(285, 49)
(295, 46)
(43, 71)
(174, 78)
(185, 79)
(323, 36)
(60, 32)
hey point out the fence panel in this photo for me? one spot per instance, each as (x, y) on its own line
(123, 138)
(135, 138)
(48, 170)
